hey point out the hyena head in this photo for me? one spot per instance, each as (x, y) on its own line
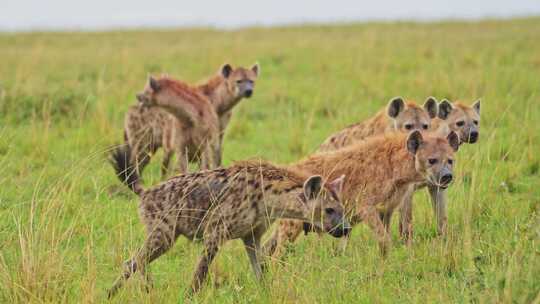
(324, 210)
(407, 117)
(148, 96)
(240, 81)
(462, 119)
(434, 156)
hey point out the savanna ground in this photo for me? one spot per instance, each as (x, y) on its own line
(66, 224)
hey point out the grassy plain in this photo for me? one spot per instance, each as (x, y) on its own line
(66, 225)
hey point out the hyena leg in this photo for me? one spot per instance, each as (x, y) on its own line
(165, 163)
(253, 249)
(406, 217)
(155, 245)
(438, 201)
(201, 272)
(286, 232)
(182, 165)
(370, 215)
(386, 218)
(208, 158)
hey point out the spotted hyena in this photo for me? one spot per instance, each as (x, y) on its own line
(398, 116)
(239, 202)
(380, 172)
(193, 122)
(465, 121)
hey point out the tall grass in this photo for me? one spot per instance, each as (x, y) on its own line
(66, 225)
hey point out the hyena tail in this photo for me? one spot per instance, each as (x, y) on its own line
(126, 172)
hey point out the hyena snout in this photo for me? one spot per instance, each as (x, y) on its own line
(473, 137)
(246, 89)
(340, 227)
(445, 178)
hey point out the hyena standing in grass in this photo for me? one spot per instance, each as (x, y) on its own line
(465, 121)
(380, 172)
(398, 116)
(189, 120)
(239, 202)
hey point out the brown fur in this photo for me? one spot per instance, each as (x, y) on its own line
(380, 172)
(407, 118)
(239, 202)
(184, 119)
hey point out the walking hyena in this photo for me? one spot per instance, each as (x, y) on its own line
(223, 204)
(465, 121)
(146, 129)
(380, 172)
(398, 116)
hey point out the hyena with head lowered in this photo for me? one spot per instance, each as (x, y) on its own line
(380, 172)
(398, 116)
(463, 120)
(187, 120)
(238, 202)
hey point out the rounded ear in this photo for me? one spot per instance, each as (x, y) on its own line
(313, 186)
(256, 69)
(154, 85)
(445, 108)
(140, 97)
(337, 185)
(453, 140)
(414, 141)
(395, 106)
(431, 107)
(476, 106)
(226, 70)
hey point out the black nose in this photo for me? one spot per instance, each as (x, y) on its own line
(473, 136)
(248, 93)
(446, 179)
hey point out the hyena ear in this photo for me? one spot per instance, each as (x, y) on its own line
(395, 106)
(256, 69)
(453, 140)
(476, 106)
(445, 108)
(414, 141)
(337, 185)
(313, 186)
(431, 107)
(140, 97)
(154, 85)
(226, 70)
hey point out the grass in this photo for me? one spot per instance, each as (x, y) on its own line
(65, 228)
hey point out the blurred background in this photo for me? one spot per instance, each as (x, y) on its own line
(28, 15)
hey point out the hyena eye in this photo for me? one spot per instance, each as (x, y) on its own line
(475, 122)
(239, 81)
(460, 123)
(450, 161)
(433, 161)
(408, 126)
(329, 211)
(425, 126)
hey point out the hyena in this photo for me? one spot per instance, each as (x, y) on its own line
(398, 116)
(465, 121)
(239, 202)
(380, 172)
(209, 106)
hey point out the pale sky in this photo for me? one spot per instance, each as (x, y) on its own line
(16, 15)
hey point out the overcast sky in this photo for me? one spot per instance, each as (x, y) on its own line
(105, 14)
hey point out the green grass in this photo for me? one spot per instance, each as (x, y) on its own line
(65, 228)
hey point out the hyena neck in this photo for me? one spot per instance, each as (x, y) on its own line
(405, 173)
(285, 209)
(221, 96)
